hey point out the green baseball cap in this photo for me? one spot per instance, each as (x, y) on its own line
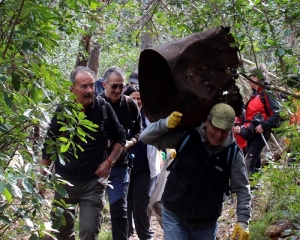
(223, 116)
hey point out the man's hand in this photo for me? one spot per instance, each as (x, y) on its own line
(240, 231)
(129, 144)
(103, 169)
(174, 119)
(259, 129)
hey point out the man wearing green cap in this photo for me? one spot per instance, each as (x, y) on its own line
(207, 157)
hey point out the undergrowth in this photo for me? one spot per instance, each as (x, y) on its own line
(276, 197)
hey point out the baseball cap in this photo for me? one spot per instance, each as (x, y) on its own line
(134, 81)
(134, 77)
(223, 116)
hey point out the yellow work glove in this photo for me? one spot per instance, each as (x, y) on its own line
(174, 119)
(240, 231)
(171, 152)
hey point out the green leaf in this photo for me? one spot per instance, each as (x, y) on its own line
(28, 222)
(93, 5)
(5, 219)
(64, 147)
(61, 190)
(7, 195)
(34, 237)
(15, 78)
(8, 99)
(281, 52)
(27, 112)
(36, 94)
(27, 185)
(63, 139)
(287, 32)
(80, 132)
(61, 160)
(3, 128)
(81, 116)
(16, 190)
(2, 187)
(25, 46)
(63, 128)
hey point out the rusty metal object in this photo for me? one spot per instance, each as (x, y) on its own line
(190, 75)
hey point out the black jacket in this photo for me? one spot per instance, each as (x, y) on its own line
(129, 119)
(94, 153)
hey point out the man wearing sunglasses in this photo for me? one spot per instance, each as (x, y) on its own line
(129, 117)
(207, 157)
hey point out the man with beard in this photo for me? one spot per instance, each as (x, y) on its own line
(84, 167)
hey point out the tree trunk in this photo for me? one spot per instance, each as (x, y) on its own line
(146, 39)
(93, 62)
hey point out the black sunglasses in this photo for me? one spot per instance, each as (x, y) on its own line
(115, 86)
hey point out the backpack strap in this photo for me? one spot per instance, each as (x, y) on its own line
(264, 102)
(127, 99)
(185, 136)
(102, 107)
(231, 157)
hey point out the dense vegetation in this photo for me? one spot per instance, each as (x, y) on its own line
(42, 41)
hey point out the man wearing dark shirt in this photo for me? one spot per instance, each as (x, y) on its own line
(129, 116)
(83, 170)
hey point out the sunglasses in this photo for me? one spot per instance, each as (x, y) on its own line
(115, 86)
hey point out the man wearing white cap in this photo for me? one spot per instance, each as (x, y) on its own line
(207, 157)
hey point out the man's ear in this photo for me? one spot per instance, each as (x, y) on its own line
(72, 88)
(206, 123)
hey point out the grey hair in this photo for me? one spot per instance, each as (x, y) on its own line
(209, 117)
(114, 69)
(81, 69)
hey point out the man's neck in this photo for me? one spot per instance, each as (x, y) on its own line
(112, 101)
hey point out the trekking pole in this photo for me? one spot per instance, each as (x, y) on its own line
(276, 142)
(267, 145)
(130, 161)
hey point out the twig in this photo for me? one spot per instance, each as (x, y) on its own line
(268, 87)
(13, 29)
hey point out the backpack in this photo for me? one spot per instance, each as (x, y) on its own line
(231, 155)
(268, 111)
(98, 86)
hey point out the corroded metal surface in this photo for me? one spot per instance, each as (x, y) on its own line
(190, 75)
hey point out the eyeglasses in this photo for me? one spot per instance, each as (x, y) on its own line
(115, 86)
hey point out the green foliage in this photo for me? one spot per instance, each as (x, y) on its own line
(40, 41)
(31, 86)
(277, 196)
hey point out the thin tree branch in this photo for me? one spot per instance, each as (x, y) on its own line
(13, 29)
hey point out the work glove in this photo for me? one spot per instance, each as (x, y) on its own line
(105, 182)
(174, 119)
(171, 153)
(240, 231)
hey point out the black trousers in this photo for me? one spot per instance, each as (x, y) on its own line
(140, 190)
(253, 159)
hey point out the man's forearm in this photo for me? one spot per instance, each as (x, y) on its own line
(116, 151)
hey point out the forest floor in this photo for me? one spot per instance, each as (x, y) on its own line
(226, 223)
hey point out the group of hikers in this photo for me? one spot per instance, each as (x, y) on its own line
(123, 159)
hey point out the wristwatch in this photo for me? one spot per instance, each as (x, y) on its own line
(112, 163)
